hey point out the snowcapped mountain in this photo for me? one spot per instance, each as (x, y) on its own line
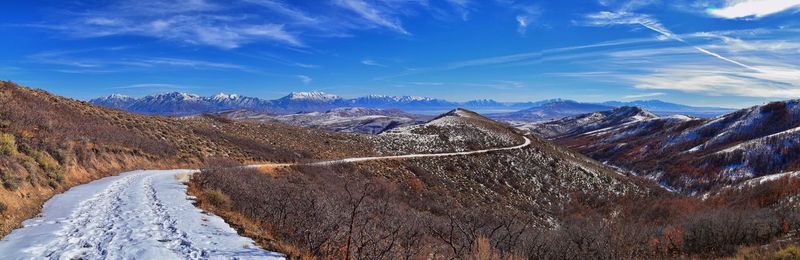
(349, 119)
(665, 108)
(177, 103)
(412, 104)
(315, 96)
(114, 100)
(459, 127)
(551, 109)
(588, 122)
(693, 154)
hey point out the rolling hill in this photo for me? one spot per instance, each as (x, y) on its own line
(691, 154)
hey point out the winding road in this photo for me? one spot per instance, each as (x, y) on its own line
(397, 157)
(145, 215)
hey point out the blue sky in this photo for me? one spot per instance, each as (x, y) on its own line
(715, 52)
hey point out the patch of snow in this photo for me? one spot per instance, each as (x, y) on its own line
(313, 95)
(136, 215)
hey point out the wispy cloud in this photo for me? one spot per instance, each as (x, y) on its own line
(195, 22)
(774, 70)
(753, 8)
(606, 18)
(462, 7)
(373, 14)
(285, 9)
(646, 95)
(82, 61)
(305, 79)
(527, 14)
(370, 62)
(773, 83)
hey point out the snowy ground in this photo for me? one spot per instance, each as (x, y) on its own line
(136, 215)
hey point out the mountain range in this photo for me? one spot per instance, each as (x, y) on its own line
(684, 153)
(177, 103)
(453, 184)
(344, 119)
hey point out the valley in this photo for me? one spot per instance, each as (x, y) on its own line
(459, 184)
(390, 129)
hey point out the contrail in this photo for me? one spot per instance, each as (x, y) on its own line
(665, 32)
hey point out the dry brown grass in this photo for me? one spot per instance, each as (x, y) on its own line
(259, 231)
(49, 144)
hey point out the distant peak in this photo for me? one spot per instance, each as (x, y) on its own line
(176, 95)
(223, 96)
(633, 111)
(312, 95)
(460, 112)
(116, 96)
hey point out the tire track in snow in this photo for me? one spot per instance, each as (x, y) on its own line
(166, 231)
(89, 229)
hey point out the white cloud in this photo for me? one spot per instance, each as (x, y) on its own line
(285, 9)
(753, 8)
(305, 79)
(461, 7)
(370, 62)
(624, 18)
(522, 24)
(772, 83)
(78, 62)
(373, 14)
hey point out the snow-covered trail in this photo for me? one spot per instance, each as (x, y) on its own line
(396, 157)
(136, 215)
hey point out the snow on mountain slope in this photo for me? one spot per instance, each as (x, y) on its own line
(314, 95)
(588, 122)
(136, 215)
(457, 130)
(665, 108)
(550, 110)
(351, 119)
(699, 154)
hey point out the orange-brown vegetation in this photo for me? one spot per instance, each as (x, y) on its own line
(352, 212)
(49, 144)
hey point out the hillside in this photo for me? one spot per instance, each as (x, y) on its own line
(346, 119)
(587, 122)
(550, 110)
(537, 201)
(662, 108)
(691, 154)
(516, 192)
(49, 143)
(457, 130)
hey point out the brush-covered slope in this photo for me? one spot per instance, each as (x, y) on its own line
(457, 130)
(346, 119)
(588, 122)
(504, 197)
(50, 143)
(553, 109)
(698, 154)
